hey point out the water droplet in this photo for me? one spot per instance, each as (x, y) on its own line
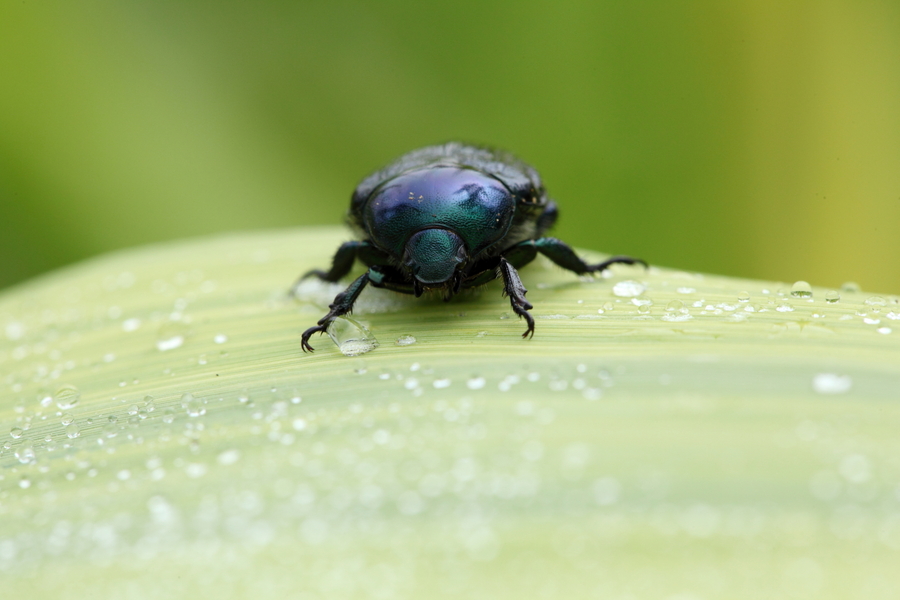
(406, 340)
(674, 306)
(883, 330)
(67, 397)
(607, 307)
(628, 288)
(24, 483)
(25, 453)
(686, 290)
(644, 309)
(850, 286)
(441, 383)
(831, 383)
(168, 416)
(220, 338)
(876, 301)
(72, 431)
(15, 433)
(475, 383)
(351, 337)
(195, 407)
(131, 324)
(784, 307)
(801, 289)
(149, 404)
(832, 296)
(67, 419)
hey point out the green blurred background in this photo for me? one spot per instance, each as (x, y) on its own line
(745, 138)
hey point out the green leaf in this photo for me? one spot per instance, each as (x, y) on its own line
(663, 435)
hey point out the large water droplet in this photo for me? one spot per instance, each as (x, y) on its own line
(67, 397)
(351, 337)
(801, 289)
(629, 288)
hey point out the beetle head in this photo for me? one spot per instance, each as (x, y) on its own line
(434, 256)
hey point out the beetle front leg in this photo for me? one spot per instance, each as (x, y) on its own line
(565, 257)
(340, 264)
(512, 287)
(343, 304)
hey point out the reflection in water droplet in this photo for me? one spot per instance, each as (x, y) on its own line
(831, 383)
(801, 289)
(832, 296)
(406, 340)
(67, 396)
(351, 337)
(629, 288)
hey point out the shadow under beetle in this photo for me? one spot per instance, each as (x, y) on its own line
(447, 218)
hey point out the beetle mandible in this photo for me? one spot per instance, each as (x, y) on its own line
(446, 218)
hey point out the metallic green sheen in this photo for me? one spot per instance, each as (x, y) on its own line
(476, 206)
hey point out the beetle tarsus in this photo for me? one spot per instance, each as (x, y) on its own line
(304, 339)
(512, 287)
(616, 260)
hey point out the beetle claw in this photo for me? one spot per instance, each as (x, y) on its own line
(304, 339)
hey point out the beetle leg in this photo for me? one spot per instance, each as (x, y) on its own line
(512, 287)
(340, 264)
(343, 304)
(565, 257)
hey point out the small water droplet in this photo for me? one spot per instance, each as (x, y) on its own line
(25, 453)
(67, 419)
(475, 383)
(674, 305)
(832, 296)
(607, 306)
(220, 338)
(628, 288)
(406, 340)
(801, 289)
(351, 337)
(850, 286)
(195, 407)
(784, 307)
(441, 383)
(744, 297)
(72, 431)
(883, 330)
(15, 433)
(171, 335)
(831, 383)
(67, 397)
(876, 301)
(644, 309)
(168, 416)
(686, 290)
(24, 482)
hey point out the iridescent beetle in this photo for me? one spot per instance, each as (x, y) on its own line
(446, 218)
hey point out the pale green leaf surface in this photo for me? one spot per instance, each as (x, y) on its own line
(735, 450)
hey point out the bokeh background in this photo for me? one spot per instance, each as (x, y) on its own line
(748, 138)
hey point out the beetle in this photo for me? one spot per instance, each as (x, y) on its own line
(445, 218)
